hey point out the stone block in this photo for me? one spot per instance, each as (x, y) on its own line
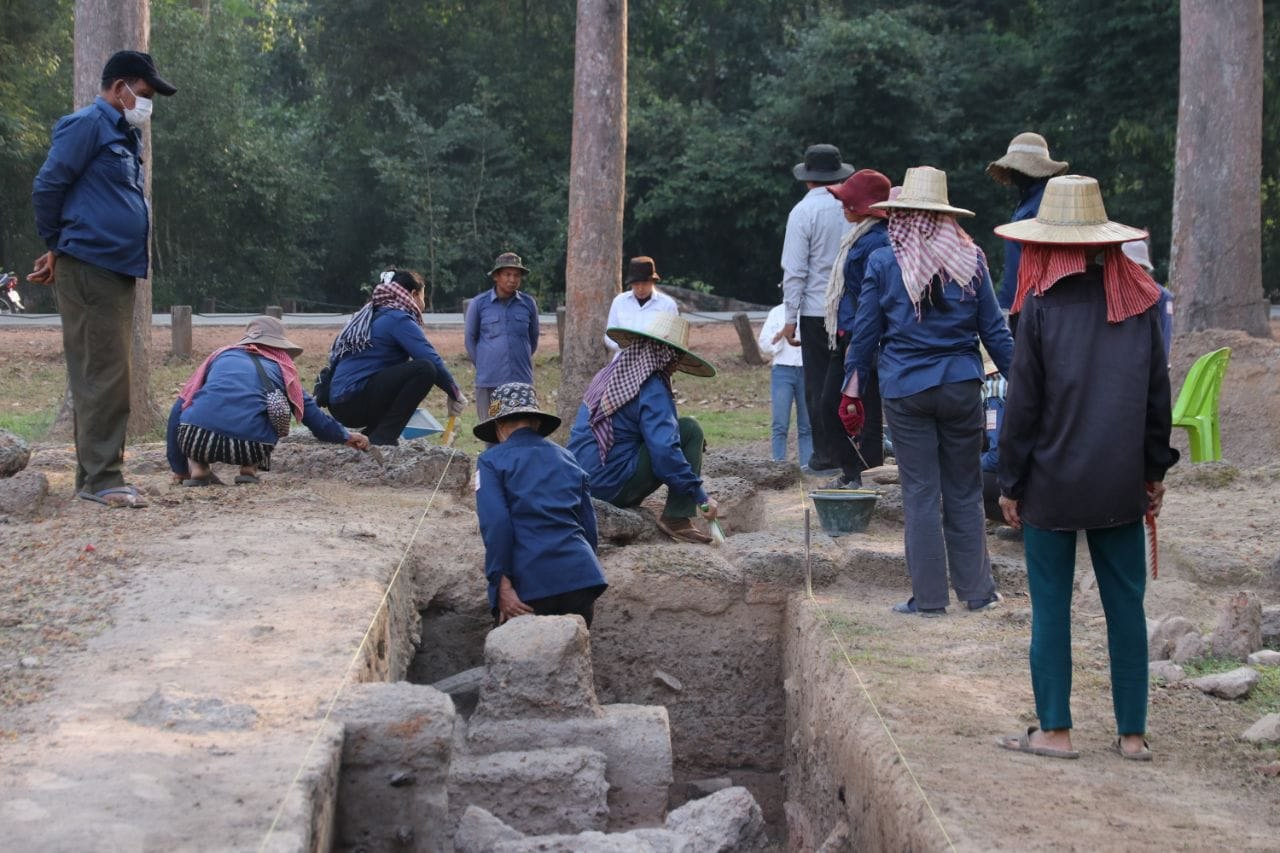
(1266, 730)
(741, 506)
(23, 495)
(1166, 671)
(635, 739)
(1190, 646)
(411, 464)
(537, 666)
(586, 842)
(699, 788)
(761, 471)
(1270, 625)
(1163, 637)
(480, 832)
(537, 792)
(728, 820)
(619, 526)
(14, 454)
(1239, 628)
(1235, 684)
(1266, 657)
(395, 767)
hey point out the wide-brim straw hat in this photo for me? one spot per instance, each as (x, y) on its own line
(511, 400)
(1028, 153)
(508, 260)
(822, 164)
(923, 188)
(670, 329)
(269, 332)
(1071, 212)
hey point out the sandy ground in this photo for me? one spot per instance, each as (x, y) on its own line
(258, 599)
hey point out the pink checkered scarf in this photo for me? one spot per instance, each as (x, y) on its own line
(619, 382)
(927, 244)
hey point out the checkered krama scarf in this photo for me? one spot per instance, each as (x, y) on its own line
(358, 333)
(1129, 288)
(928, 243)
(619, 383)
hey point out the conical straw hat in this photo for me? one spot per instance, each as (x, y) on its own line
(1071, 212)
(670, 329)
(924, 188)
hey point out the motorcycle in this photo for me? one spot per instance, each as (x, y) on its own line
(12, 301)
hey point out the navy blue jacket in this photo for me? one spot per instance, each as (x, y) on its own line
(648, 420)
(395, 339)
(232, 402)
(536, 518)
(1027, 208)
(88, 195)
(939, 348)
(855, 263)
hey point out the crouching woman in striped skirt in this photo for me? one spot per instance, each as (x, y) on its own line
(238, 403)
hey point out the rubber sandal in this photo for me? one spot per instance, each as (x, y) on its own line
(1143, 754)
(116, 497)
(1022, 743)
(247, 479)
(209, 480)
(984, 603)
(690, 534)
(909, 606)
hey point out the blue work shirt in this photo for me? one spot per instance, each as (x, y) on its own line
(1027, 208)
(394, 339)
(855, 263)
(539, 528)
(939, 348)
(647, 420)
(232, 402)
(501, 337)
(88, 195)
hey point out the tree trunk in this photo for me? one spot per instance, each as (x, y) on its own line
(597, 172)
(1216, 263)
(102, 28)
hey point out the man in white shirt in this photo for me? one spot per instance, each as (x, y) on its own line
(632, 307)
(815, 228)
(786, 387)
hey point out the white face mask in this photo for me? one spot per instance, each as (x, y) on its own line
(140, 113)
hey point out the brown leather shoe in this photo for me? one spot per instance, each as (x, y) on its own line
(682, 530)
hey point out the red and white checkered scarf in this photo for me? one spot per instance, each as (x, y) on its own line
(1129, 288)
(927, 243)
(619, 382)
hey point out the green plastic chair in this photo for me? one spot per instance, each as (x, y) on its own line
(1197, 408)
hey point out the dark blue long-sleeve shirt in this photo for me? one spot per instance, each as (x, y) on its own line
(940, 347)
(1027, 208)
(533, 502)
(501, 337)
(232, 402)
(648, 420)
(88, 196)
(855, 263)
(395, 339)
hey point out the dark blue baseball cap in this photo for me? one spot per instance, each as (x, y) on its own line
(135, 64)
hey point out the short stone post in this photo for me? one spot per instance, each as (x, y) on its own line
(274, 311)
(209, 305)
(750, 349)
(560, 312)
(180, 329)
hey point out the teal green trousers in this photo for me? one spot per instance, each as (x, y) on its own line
(1119, 564)
(644, 482)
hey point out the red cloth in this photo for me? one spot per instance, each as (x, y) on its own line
(1130, 289)
(292, 384)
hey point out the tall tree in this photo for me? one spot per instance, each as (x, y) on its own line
(102, 28)
(1217, 212)
(597, 176)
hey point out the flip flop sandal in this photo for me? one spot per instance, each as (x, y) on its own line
(247, 479)
(210, 479)
(1143, 754)
(1022, 743)
(116, 497)
(690, 535)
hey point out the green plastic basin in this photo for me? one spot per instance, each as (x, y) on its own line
(844, 511)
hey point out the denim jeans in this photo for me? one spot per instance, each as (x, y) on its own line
(786, 389)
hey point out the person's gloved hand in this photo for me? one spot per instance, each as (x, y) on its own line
(852, 415)
(458, 404)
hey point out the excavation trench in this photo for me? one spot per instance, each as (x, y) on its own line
(727, 642)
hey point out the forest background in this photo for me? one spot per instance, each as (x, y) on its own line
(313, 142)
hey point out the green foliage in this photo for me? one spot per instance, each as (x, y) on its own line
(1265, 696)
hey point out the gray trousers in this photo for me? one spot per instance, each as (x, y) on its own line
(97, 337)
(937, 438)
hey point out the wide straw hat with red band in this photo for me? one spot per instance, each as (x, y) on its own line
(1071, 212)
(863, 188)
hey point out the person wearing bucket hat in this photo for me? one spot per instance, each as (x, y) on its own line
(869, 232)
(1027, 166)
(640, 299)
(382, 366)
(1084, 446)
(925, 304)
(501, 330)
(91, 212)
(533, 503)
(811, 245)
(220, 415)
(627, 435)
